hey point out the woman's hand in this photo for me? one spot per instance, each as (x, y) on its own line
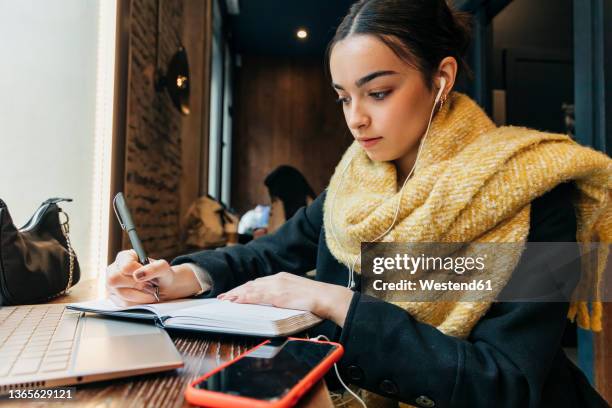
(230, 227)
(259, 232)
(294, 292)
(128, 282)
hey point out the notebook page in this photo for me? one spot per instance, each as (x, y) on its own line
(171, 307)
(241, 318)
(106, 305)
(161, 309)
(216, 309)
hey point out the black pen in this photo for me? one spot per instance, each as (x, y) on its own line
(125, 220)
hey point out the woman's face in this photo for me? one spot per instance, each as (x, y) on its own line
(277, 214)
(385, 101)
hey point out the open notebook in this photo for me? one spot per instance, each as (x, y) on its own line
(210, 315)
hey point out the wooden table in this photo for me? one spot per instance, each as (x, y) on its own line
(200, 352)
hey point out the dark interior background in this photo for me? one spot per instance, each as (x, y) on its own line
(533, 62)
(285, 110)
(285, 113)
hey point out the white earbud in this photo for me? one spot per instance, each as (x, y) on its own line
(442, 85)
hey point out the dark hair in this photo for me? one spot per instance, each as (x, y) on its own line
(421, 32)
(290, 186)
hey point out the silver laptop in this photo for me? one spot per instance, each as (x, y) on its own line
(49, 345)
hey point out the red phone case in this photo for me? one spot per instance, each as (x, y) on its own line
(217, 399)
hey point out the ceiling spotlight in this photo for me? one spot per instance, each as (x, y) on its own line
(302, 33)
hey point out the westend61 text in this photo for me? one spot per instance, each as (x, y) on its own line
(432, 285)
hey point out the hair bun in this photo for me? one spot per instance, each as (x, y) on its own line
(422, 32)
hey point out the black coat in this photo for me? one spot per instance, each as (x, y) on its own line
(512, 358)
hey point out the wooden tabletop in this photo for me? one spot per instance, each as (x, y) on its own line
(200, 352)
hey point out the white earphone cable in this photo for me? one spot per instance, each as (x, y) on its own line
(351, 281)
(322, 336)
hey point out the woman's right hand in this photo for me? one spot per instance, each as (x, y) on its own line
(128, 282)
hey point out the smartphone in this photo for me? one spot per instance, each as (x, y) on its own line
(275, 373)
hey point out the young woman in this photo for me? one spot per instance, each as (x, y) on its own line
(289, 191)
(427, 165)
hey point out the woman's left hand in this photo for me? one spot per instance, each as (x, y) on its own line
(295, 292)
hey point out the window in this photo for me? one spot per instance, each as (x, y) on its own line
(56, 113)
(216, 106)
(220, 140)
(226, 149)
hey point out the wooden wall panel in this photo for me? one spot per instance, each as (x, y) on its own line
(122, 72)
(285, 113)
(194, 129)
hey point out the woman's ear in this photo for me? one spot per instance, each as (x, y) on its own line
(448, 70)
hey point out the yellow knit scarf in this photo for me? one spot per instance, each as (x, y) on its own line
(473, 183)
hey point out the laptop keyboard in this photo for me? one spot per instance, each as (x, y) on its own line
(36, 339)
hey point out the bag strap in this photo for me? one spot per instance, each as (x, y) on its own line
(71, 256)
(57, 200)
(66, 231)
